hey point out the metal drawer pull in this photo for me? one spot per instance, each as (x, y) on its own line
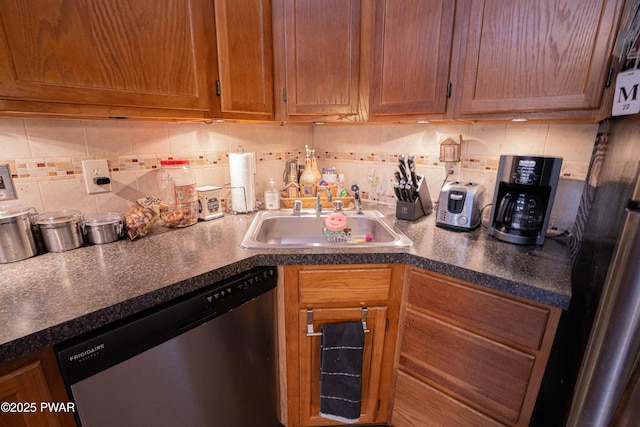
(312, 333)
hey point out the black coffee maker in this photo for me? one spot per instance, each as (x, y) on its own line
(523, 198)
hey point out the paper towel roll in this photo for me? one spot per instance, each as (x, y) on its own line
(241, 170)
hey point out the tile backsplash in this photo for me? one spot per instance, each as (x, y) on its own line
(45, 156)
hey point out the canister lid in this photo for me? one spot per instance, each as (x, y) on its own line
(174, 162)
(9, 211)
(55, 217)
(102, 219)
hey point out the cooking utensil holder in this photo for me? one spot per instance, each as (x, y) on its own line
(420, 207)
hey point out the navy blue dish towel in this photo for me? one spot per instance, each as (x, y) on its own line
(341, 371)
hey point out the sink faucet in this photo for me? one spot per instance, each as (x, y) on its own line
(356, 198)
(319, 202)
(297, 207)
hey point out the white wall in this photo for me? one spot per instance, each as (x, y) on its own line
(360, 150)
(45, 155)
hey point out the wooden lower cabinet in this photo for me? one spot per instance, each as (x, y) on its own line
(417, 404)
(27, 383)
(468, 356)
(318, 295)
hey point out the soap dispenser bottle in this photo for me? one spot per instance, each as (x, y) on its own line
(272, 196)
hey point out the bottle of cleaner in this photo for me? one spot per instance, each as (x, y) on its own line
(272, 196)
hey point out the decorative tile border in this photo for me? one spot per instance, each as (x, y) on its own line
(570, 169)
(44, 169)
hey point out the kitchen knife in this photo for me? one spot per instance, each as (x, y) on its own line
(412, 170)
(399, 192)
(414, 176)
(405, 191)
(403, 169)
(410, 190)
(396, 188)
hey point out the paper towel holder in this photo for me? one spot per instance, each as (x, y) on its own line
(245, 204)
(246, 201)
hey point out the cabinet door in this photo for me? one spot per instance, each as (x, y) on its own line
(245, 58)
(469, 367)
(150, 55)
(337, 293)
(418, 405)
(411, 56)
(310, 361)
(322, 56)
(477, 355)
(32, 380)
(537, 56)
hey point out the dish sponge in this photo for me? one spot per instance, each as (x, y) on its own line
(335, 222)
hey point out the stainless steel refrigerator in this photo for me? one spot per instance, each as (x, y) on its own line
(593, 368)
(608, 381)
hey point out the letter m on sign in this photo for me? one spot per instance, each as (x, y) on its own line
(626, 98)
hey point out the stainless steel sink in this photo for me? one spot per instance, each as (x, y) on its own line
(283, 229)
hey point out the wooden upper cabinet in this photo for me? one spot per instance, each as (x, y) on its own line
(536, 56)
(146, 54)
(245, 58)
(320, 57)
(411, 57)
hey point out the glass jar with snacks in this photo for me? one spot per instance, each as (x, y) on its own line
(177, 185)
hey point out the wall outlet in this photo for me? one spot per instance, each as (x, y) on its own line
(7, 189)
(96, 176)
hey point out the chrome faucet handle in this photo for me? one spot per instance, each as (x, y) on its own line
(338, 205)
(356, 197)
(297, 207)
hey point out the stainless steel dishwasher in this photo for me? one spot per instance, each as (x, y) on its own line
(207, 359)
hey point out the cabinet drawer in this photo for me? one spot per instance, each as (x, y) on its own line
(364, 286)
(417, 404)
(482, 312)
(479, 372)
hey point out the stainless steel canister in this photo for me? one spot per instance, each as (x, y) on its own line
(16, 236)
(61, 230)
(103, 228)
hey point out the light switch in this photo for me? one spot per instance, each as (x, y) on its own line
(96, 176)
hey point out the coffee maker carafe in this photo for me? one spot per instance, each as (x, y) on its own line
(523, 198)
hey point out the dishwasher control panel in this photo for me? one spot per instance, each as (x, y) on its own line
(241, 284)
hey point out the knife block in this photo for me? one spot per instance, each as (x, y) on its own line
(420, 207)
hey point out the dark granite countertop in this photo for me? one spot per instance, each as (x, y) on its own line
(52, 297)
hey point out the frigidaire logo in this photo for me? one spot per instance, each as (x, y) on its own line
(86, 353)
